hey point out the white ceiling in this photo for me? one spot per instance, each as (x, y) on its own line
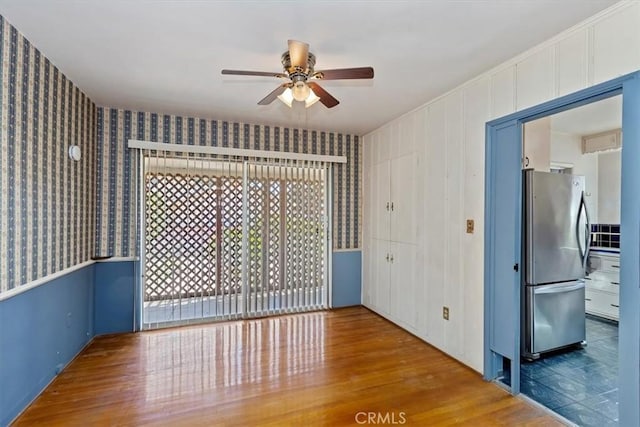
(589, 119)
(166, 55)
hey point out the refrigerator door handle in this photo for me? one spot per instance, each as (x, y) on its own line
(557, 288)
(588, 230)
(584, 250)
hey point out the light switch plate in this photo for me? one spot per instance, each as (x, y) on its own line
(470, 225)
(445, 313)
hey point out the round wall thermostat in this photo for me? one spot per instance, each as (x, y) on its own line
(75, 153)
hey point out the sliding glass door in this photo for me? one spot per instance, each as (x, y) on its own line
(231, 238)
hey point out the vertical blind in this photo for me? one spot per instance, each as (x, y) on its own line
(227, 236)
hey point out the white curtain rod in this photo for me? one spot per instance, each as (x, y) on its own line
(239, 152)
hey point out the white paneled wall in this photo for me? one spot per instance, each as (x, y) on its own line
(534, 79)
(572, 62)
(445, 141)
(616, 44)
(503, 92)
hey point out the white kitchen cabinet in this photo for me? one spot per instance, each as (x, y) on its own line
(536, 152)
(395, 199)
(381, 265)
(603, 286)
(403, 283)
(404, 200)
(391, 287)
(390, 259)
(381, 203)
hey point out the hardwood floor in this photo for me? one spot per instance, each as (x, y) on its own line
(327, 368)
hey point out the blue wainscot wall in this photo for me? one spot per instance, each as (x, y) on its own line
(347, 278)
(114, 297)
(115, 291)
(41, 331)
(44, 328)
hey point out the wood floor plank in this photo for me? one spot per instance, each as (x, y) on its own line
(327, 368)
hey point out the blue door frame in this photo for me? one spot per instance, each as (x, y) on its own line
(503, 225)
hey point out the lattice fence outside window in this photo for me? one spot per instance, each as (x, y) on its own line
(194, 239)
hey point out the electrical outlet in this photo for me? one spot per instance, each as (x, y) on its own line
(470, 225)
(445, 313)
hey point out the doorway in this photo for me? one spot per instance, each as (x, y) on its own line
(503, 257)
(230, 238)
(578, 381)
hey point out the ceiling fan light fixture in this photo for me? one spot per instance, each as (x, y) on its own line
(300, 91)
(311, 99)
(286, 97)
(299, 71)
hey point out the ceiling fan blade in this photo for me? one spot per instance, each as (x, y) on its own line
(325, 97)
(273, 95)
(299, 54)
(345, 73)
(253, 73)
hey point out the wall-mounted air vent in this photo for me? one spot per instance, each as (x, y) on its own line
(602, 141)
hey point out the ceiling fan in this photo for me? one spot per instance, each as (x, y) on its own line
(298, 65)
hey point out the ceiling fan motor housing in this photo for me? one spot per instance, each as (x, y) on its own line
(298, 71)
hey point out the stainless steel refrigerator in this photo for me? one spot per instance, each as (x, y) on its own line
(556, 247)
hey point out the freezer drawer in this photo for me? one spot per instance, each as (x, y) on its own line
(555, 316)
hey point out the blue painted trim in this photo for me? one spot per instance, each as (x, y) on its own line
(346, 279)
(493, 357)
(629, 330)
(629, 338)
(41, 331)
(490, 367)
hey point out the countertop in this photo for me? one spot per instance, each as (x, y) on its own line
(605, 251)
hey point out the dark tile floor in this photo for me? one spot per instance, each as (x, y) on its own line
(581, 385)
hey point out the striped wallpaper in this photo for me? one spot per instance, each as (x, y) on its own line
(56, 213)
(46, 200)
(116, 191)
